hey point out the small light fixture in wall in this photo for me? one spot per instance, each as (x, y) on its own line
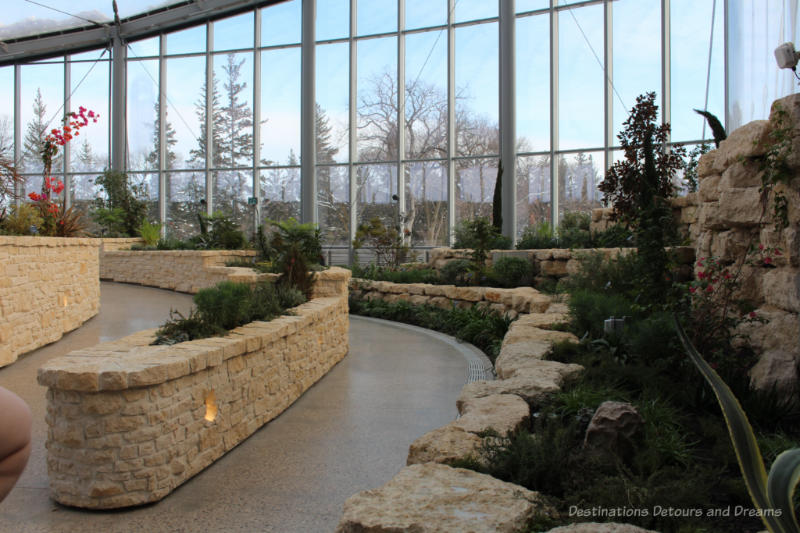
(211, 406)
(63, 300)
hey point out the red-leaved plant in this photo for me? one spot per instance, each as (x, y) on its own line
(58, 221)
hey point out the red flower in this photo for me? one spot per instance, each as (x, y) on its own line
(777, 251)
(710, 288)
(701, 275)
(767, 260)
(760, 246)
(693, 289)
(752, 314)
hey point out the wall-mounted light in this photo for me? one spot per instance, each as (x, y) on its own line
(211, 406)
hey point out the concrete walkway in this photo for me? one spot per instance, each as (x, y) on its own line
(349, 432)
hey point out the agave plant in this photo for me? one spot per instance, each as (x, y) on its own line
(772, 495)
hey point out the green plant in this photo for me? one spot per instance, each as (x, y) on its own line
(512, 272)
(690, 177)
(298, 249)
(386, 242)
(24, 219)
(773, 495)
(218, 231)
(404, 274)
(263, 246)
(538, 236)
(123, 209)
(226, 306)
(456, 272)
(481, 236)
(150, 233)
(589, 310)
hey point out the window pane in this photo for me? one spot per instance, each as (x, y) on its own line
(377, 16)
(232, 188)
(90, 56)
(533, 191)
(690, 33)
(7, 112)
(377, 99)
(148, 184)
(144, 48)
(637, 67)
(186, 79)
(89, 151)
(189, 41)
(581, 78)
(475, 179)
(185, 191)
(42, 110)
(233, 118)
(333, 99)
(333, 188)
(376, 185)
(333, 19)
(83, 194)
(422, 13)
(280, 106)
(426, 96)
(280, 193)
(578, 176)
(531, 5)
(477, 90)
(426, 203)
(533, 83)
(281, 23)
(234, 32)
(142, 115)
(475, 9)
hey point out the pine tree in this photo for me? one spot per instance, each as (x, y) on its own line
(152, 157)
(236, 137)
(85, 156)
(34, 138)
(197, 157)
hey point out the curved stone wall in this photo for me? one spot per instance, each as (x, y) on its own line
(48, 286)
(129, 422)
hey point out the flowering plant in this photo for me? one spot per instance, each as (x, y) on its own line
(57, 220)
(715, 308)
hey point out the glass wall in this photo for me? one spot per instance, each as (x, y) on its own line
(407, 115)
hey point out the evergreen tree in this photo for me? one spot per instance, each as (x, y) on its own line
(85, 157)
(34, 138)
(197, 157)
(236, 138)
(152, 157)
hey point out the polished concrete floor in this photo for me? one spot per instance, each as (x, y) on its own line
(349, 432)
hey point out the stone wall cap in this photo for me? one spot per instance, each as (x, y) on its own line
(132, 362)
(50, 242)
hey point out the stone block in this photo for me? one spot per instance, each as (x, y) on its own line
(708, 189)
(502, 413)
(429, 497)
(444, 445)
(746, 141)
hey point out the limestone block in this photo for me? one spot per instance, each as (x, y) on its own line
(728, 246)
(595, 527)
(741, 174)
(708, 189)
(503, 413)
(441, 302)
(523, 332)
(435, 290)
(531, 384)
(776, 369)
(430, 497)
(469, 294)
(747, 141)
(705, 166)
(415, 288)
(543, 320)
(418, 299)
(560, 308)
(739, 207)
(444, 445)
(781, 288)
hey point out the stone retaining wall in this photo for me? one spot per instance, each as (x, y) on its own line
(550, 264)
(48, 286)
(129, 422)
(177, 270)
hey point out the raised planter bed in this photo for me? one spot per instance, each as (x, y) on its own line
(48, 286)
(129, 422)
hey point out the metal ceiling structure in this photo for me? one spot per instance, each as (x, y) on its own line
(93, 36)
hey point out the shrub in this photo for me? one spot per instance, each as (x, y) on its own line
(297, 250)
(123, 209)
(589, 309)
(456, 272)
(226, 306)
(150, 232)
(479, 235)
(218, 231)
(538, 236)
(513, 272)
(401, 275)
(24, 219)
(390, 250)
